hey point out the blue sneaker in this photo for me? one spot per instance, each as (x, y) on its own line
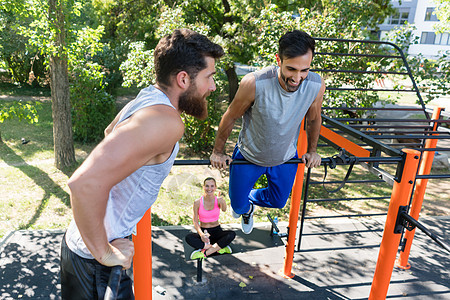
(247, 221)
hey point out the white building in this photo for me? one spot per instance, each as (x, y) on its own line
(419, 13)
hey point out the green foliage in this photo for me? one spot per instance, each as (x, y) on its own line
(92, 107)
(443, 13)
(19, 110)
(199, 134)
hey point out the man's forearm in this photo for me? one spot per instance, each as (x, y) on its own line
(313, 132)
(224, 131)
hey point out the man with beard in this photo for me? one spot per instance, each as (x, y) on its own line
(273, 103)
(119, 181)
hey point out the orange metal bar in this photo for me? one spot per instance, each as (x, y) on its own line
(344, 143)
(419, 193)
(142, 260)
(296, 197)
(389, 244)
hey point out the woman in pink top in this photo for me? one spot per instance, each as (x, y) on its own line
(210, 237)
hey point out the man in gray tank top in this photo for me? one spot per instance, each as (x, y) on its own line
(119, 181)
(272, 103)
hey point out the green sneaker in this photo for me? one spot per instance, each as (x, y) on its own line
(227, 249)
(198, 254)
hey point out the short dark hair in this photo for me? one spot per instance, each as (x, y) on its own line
(183, 50)
(295, 43)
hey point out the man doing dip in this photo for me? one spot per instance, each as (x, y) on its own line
(119, 181)
(273, 103)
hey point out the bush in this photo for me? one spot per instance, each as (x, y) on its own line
(92, 107)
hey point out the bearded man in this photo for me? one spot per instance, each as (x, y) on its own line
(119, 181)
(273, 103)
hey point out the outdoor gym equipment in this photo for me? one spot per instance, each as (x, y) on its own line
(371, 141)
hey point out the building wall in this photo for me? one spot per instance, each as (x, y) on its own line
(417, 11)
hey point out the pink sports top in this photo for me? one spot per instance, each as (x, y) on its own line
(208, 216)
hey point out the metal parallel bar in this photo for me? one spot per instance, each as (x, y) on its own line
(365, 138)
(325, 160)
(435, 176)
(357, 54)
(375, 108)
(400, 131)
(348, 181)
(343, 232)
(305, 200)
(349, 199)
(394, 120)
(404, 144)
(346, 216)
(358, 71)
(393, 126)
(411, 136)
(433, 149)
(367, 90)
(417, 224)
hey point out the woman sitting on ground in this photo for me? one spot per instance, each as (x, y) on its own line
(210, 237)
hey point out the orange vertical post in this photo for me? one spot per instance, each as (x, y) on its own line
(401, 193)
(142, 260)
(296, 198)
(419, 192)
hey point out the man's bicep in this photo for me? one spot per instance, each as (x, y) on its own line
(244, 98)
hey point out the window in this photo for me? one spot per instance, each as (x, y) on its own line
(430, 15)
(442, 39)
(427, 37)
(399, 17)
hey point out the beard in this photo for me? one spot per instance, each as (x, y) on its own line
(191, 103)
(289, 87)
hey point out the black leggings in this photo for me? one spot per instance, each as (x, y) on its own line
(222, 237)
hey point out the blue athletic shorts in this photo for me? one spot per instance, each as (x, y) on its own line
(243, 177)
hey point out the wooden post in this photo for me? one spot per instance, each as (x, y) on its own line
(142, 260)
(401, 193)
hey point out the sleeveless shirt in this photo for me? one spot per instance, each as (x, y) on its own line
(271, 125)
(207, 216)
(132, 197)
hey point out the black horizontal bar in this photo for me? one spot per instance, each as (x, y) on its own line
(374, 108)
(433, 149)
(340, 248)
(402, 131)
(325, 160)
(411, 136)
(393, 120)
(358, 71)
(435, 176)
(348, 181)
(389, 126)
(344, 232)
(346, 216)
(348, 199)
(357, 54)
(367, 89)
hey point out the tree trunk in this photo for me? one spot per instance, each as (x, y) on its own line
(233, 82)
(59, 84)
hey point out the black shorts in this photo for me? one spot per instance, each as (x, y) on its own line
(83, 278)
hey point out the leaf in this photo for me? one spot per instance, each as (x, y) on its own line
(242, 285)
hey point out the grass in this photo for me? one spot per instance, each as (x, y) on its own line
(35, 194)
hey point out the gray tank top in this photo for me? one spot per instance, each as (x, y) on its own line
(271, 125)
(132, 197)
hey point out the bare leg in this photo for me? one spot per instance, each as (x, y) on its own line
(214, 248)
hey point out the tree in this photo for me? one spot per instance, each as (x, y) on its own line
(59, 84)
(443, 13)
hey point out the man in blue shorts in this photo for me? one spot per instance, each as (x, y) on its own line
(273, 103)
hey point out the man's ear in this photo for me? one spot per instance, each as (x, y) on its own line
(277, 56)
(183, 80)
